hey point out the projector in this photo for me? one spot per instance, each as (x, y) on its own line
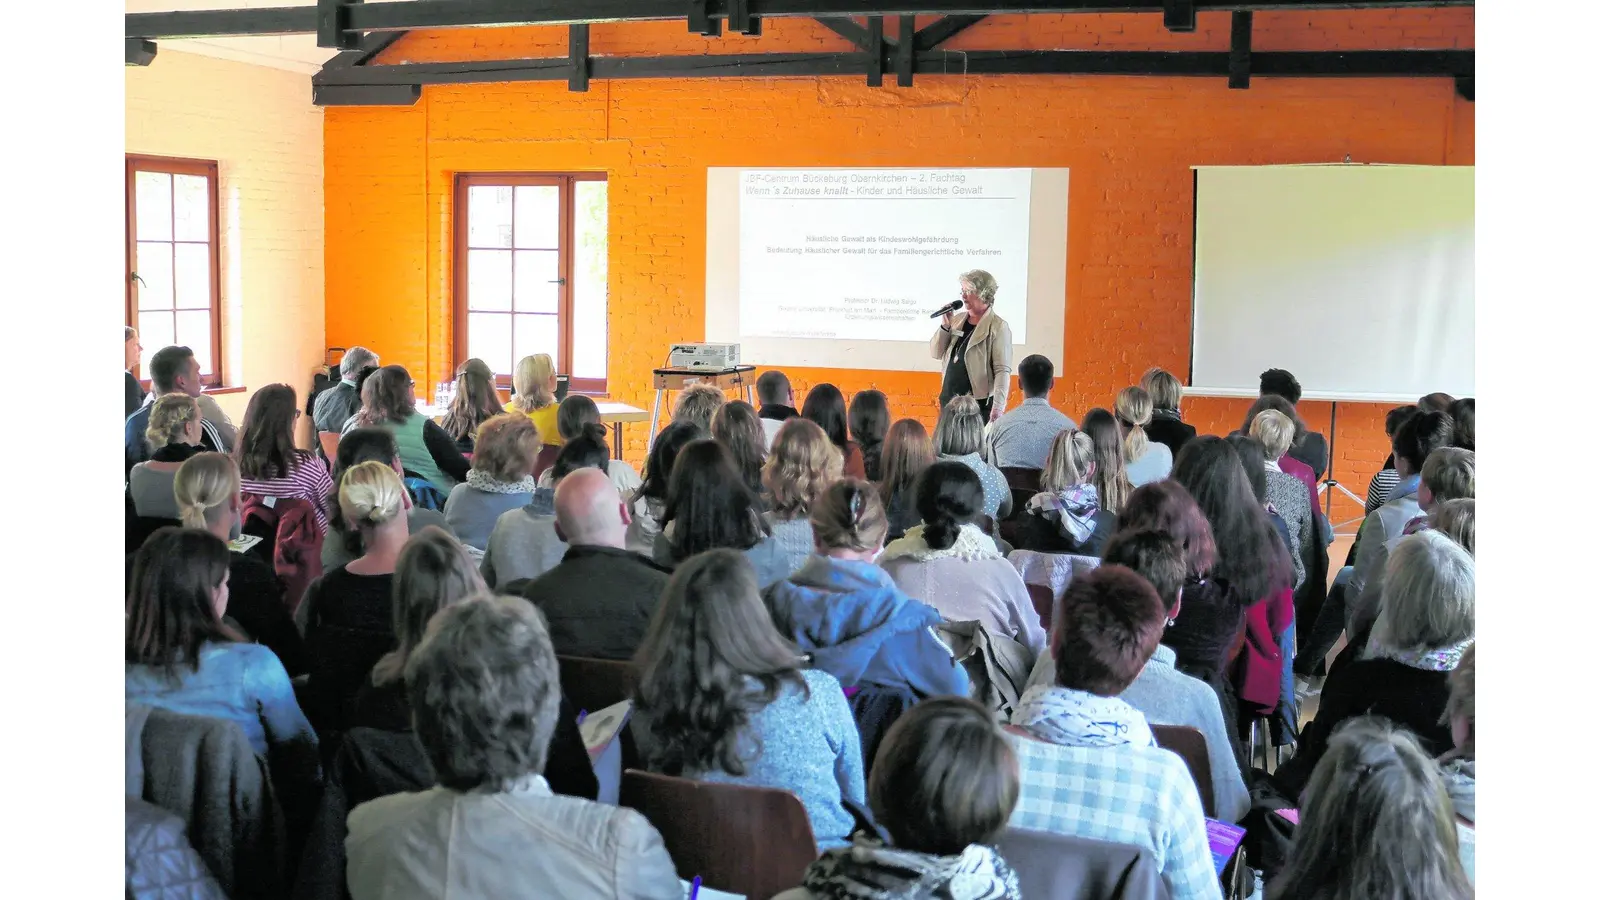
(703, 356)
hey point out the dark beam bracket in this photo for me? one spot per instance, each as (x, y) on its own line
(1464, 87)
(371, 45)
(701, 21)
(578, 57)
(847, 29)
(140, 52)
(943, 30)
(740, 20)
(905, 51)
(366, 94)
(1178, 15)
(1239, 51)
(874, 51)
(333, 25)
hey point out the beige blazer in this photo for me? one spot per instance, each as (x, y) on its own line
(988, 357)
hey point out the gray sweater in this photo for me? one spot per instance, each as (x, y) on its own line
(795, 538)
(472, 513)
(524, 543)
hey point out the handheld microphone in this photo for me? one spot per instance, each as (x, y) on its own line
(950, 307)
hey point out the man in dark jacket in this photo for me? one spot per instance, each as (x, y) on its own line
(340, 402)
(599, 599)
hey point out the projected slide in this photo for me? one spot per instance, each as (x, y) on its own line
(866, 254)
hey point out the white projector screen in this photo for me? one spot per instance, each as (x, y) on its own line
(1356, 278)
(841, 267)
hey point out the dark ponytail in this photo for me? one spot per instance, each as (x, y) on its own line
(587, 450)
(949, 495)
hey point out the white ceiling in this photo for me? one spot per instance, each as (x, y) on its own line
(294, 52)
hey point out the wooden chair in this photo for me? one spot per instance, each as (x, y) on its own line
(1063, 867)
(1044, 603)
(330, 444)
(1190, 744)
(594, 684)
(744, 840)
(546, 459)
(1022, 478)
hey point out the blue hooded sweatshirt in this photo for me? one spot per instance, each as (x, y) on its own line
(862, 629)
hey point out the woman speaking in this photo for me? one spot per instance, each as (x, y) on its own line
(977, 351)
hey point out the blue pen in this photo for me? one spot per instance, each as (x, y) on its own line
(582, 714)
(694, 889)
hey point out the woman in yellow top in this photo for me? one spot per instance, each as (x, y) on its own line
(533, 393)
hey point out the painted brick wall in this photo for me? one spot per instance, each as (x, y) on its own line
(258, 123)
(1129, 142)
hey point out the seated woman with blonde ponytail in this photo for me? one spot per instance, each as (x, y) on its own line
(1065, 516)
(207, 492)
(348, 612)
(175, 433)
(1147, 460)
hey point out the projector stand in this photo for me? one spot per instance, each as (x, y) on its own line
(1329, 484)
(670, 379)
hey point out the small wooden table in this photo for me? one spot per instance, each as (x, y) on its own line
(676, 379)
(613, 414)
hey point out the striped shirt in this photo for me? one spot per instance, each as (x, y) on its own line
(307, 480)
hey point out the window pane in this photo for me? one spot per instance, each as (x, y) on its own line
(538, 217)
(537, 334)
(152, 206)
(194, 332)
(191, 208)
(153, 265)
(536, 273)
(489, 280)
(589, 281)
(489, 339)
(488, 217)
(191, 276)
(155, 332)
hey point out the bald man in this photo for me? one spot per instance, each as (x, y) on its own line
(599, 599)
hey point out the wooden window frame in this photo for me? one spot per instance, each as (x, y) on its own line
(177, 166)
(566, 183)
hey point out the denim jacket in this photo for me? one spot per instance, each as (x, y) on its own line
(243, 683)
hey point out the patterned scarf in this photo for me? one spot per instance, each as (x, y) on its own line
(971, 544)
(1081, 719)
(1072, 510)
(1437, 659)
(1419, 523)
(480, 480)
(869, 870)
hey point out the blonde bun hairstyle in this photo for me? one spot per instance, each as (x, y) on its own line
(170, 415)
(203, 483)
(370, 495)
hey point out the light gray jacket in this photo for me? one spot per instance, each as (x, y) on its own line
(524, 842)
(988, 356)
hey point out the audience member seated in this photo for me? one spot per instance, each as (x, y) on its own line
(649, 502)
(1458, 766)
(573, 415)
(475, 403)
(1374, 822)
(1088, 762)
(1263, 674)
(1022, 437)
(1464, 414)
(1456, 520)
(849, 615)
(533, 393)
(1166, 420)
(173, 370)
(948, 562)
(958, 436)
(337, 404)
(777, 402)
(1424, 626)
(1065, 517)
(1438, 401)
(801, 466)
(181, 657)
(207, 491)
(269, 463)
(343, 543)
(175, 431)
(1449, 473)
(599, 599)
(869, 425)
(500, 480)
(709, 507)
(907, 451)
(1254, 461)
(1310, 447)
(1146, 460)
(1289, 495)
(825, 406)
(132, 390)
(426, 450)
(347, 612)
(723, 697)
(737, 428)
(698, 403)
(1165, 695)
(1110, 466)
(524, 542)
(1383, 482)
(485, 694)
(942, 788)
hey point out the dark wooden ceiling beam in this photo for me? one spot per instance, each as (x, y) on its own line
(943, 30)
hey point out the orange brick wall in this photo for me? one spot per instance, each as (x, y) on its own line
(1129, 143)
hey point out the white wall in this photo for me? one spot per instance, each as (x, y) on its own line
(259, 125)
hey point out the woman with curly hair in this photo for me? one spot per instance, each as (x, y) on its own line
(802, 464)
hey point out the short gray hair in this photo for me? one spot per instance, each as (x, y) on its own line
(356, 359)
(982, 283)
(1450, 473)
(959, 430)
(1428, 588)
(485, 692)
